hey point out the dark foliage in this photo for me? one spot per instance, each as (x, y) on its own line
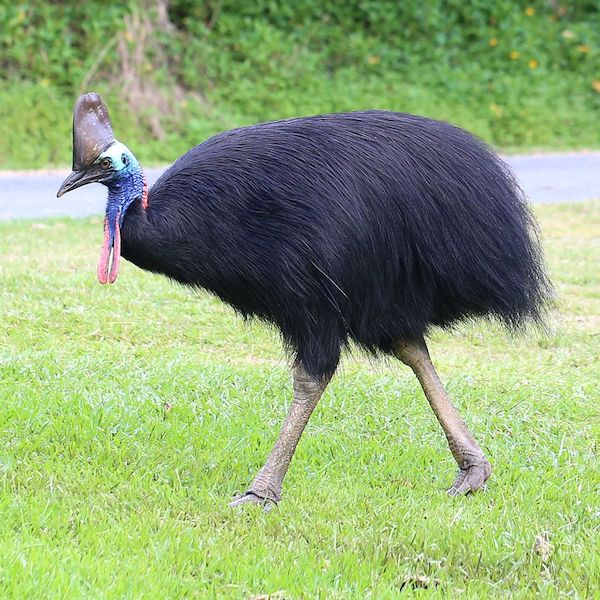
(369, 226)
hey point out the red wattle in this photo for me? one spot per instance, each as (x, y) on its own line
(145, 195)
(104, 255)
(116, 255)
(111, 253)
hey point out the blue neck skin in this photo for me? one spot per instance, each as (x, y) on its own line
(125, 185)
(122, 191)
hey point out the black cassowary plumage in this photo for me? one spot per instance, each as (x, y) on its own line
(367, 226)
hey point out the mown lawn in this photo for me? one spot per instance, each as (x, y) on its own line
(131, 415)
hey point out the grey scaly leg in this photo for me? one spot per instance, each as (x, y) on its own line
(474, 467)
(266, 487)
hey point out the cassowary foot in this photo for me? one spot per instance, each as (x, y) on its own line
(471, 478)
(265, 499)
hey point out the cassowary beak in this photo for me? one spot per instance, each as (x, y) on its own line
(77, 179)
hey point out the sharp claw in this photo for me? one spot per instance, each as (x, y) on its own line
(470, 479)
(463, 488)
(250, 497)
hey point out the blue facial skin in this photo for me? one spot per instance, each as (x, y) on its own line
(125, 183)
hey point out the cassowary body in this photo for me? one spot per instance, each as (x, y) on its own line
(368, 226)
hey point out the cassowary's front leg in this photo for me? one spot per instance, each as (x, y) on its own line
(474, 467)
(266, 487)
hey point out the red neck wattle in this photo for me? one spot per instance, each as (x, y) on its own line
(145, 194)
(111, 246)
(110, 255)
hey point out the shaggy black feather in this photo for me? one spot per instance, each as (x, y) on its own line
(370, 226)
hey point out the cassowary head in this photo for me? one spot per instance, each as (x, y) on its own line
(99, 158)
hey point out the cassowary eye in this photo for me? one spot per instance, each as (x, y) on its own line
(105, 163)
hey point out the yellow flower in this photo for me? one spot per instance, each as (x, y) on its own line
(373, 60)
(530, 11)
(497, 110)
(568, 34)
(533, 64)
(514, 54)
(583, 48)
(493, 42)
(596, 85)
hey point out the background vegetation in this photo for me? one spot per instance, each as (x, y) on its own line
(520, 74)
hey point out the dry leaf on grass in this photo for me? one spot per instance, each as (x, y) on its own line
(542, 546)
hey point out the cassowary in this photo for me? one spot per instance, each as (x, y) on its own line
(372, 227)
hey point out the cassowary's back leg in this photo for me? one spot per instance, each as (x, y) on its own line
(474, 467)
(266, 487)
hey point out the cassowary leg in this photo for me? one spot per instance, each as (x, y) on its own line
(266, 487)
(474, 467)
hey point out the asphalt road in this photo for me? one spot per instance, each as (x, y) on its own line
(545, 178)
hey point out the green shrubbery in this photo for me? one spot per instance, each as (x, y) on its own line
(518, 74)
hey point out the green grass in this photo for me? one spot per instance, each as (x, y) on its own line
(131, 414)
